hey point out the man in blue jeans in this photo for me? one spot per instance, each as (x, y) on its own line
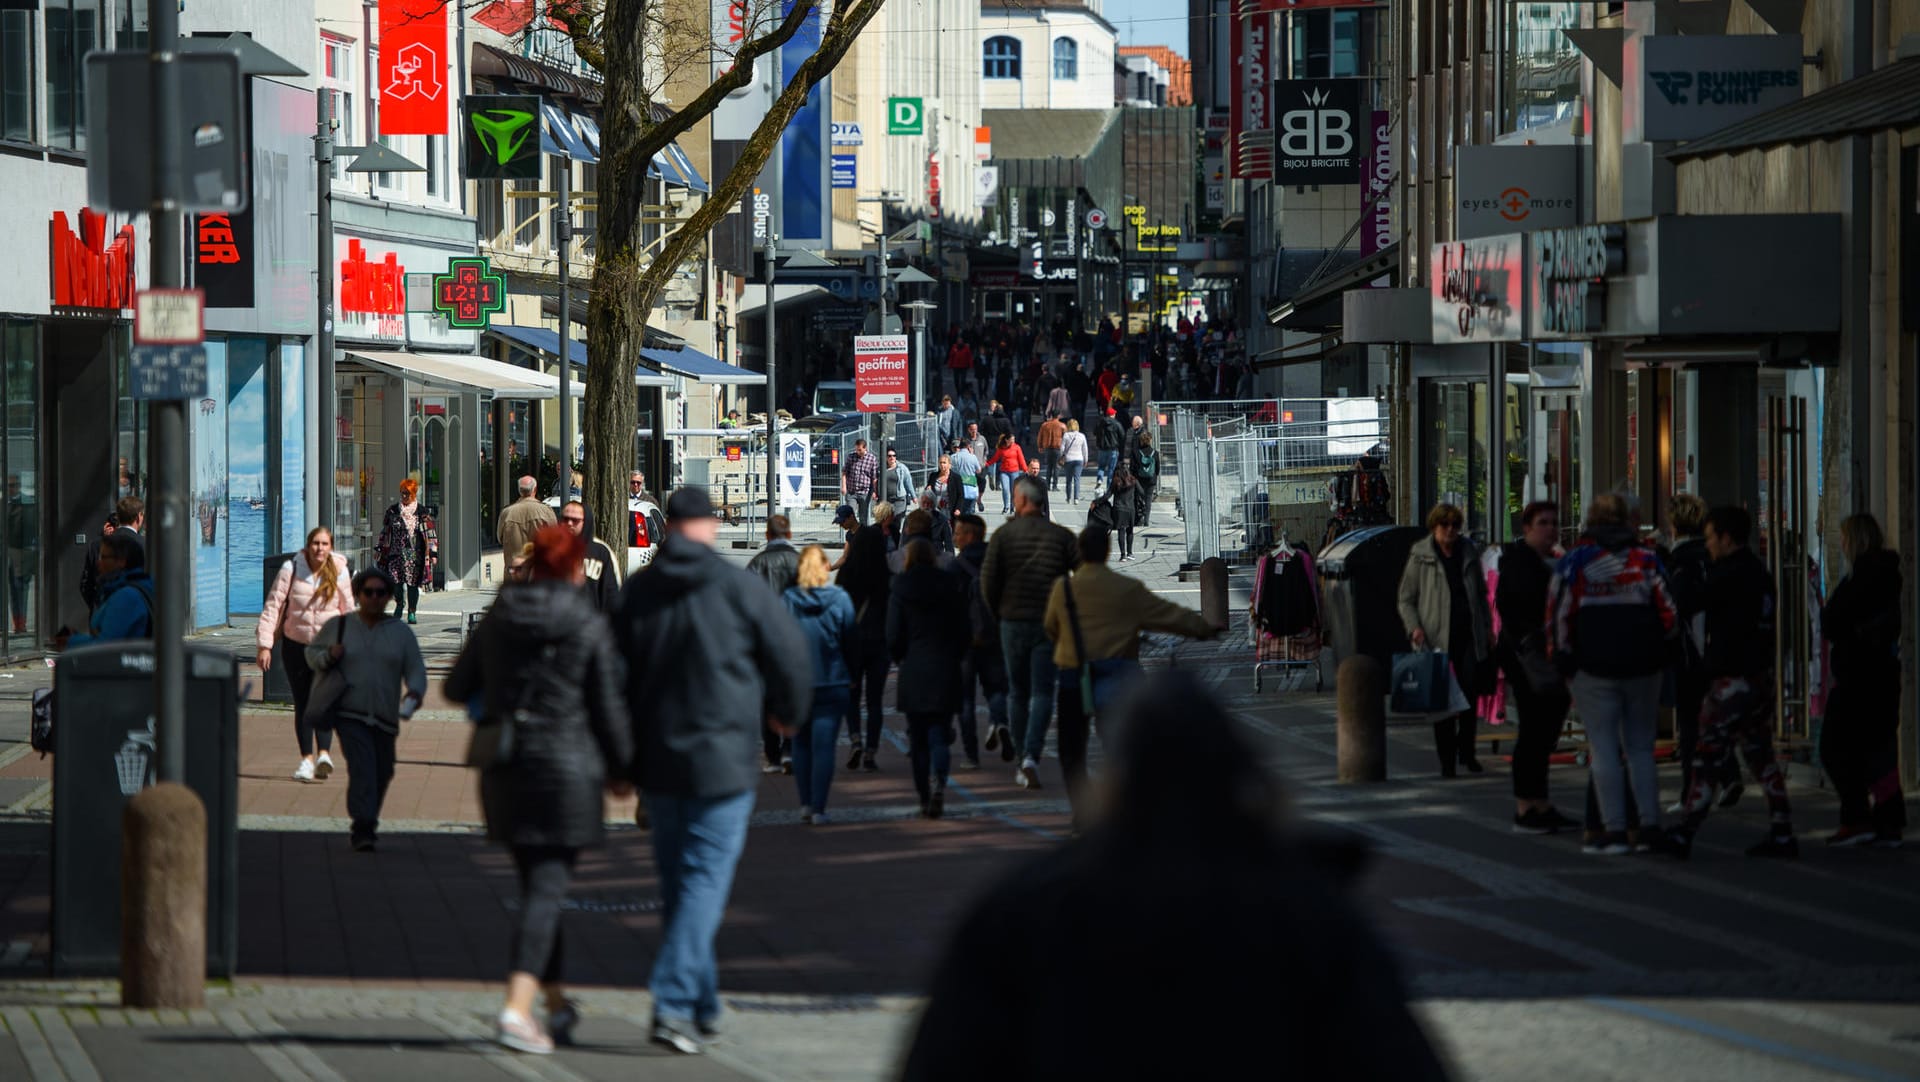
(712, 655)
(1024, 558)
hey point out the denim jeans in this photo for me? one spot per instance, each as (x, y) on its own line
(1007, 478)
(696, 844)
(927, 738)
(1031, 674)
(1073, 478)
(1620, 719)
(813, 745)
(1109, 462)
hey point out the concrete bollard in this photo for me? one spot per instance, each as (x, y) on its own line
(1361, 709)
(163, 899)
(1213, 591)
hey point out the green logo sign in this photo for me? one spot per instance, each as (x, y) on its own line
(905, 117)
(502, 136)
(469, 293)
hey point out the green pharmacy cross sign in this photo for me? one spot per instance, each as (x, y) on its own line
(468, 294)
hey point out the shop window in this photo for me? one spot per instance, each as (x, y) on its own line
(1330, 44)
(1543, 68)
(1001, 58)
(132, 31)
(1453, 416)
(1066, 59)
(19, 462)
(435, 161)
(72, 32)
(16, 76)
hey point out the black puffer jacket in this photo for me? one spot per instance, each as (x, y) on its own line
(711, 654)
(544, 658)
(927, 634)
(1862, 621)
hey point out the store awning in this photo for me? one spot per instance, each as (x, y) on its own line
(702, 367)
(1316, 305)
(558, 135)
(1886, 99)
(548, 342)
(461, 373)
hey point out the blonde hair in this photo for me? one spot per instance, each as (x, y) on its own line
(1073, 426)
(882, 511)
(328, 574)
(814, 572)
(1689, 514)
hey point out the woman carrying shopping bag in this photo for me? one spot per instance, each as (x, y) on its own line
(310, 589)
(1443, 604)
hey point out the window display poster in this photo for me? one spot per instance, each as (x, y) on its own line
(208, 420)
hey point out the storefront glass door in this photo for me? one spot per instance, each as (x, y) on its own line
(1453, 445)
(20, 464)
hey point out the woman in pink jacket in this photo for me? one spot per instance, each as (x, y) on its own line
(310, 590)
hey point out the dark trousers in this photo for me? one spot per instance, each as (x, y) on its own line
(984, 668)
(1146, 503)
(1689, 691)
(406, 599)
(370, 755)
(1074, 730)
(1859, 749)
(1049, 464)
(870, 675)
(928, 737)
(1126, 540)
(300, 678)
(1542, 716)
(544, 872)
(1453, 738)
(774, 746)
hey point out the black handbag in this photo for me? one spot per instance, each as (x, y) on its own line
(329, 688)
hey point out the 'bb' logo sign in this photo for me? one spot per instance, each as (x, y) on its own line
(1319, 141)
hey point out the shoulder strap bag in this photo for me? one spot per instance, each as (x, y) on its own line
(329, 687)
(1079, 647)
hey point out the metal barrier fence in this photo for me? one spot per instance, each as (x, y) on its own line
(915, 440)
(1174, 423)
(1245, 482)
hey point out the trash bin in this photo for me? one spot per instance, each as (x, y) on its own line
(104, 753)
(1359, 582)
(274, 688)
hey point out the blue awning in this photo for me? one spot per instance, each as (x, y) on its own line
(590, 130)
(559, 136)
(548, 342)
(702, 367)
(692, 175)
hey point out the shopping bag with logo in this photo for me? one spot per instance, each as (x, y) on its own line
(1423, 683)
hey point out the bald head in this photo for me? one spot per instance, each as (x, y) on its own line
(528, 486)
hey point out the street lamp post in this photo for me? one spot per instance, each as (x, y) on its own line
(920, 310)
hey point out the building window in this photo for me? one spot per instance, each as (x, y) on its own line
(1330, 44)
(336, 79)
(72, 33)
(1002, 58)
(489, 209)
(436, 167)
(1543, 69)
(1066, 58)
(133, 27)
(16, 76)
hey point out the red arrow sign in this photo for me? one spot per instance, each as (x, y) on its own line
(880, 372)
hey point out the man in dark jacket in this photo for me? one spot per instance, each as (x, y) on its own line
(712, 656)
(1108, 439)
(779, 564)
(982, 659)
(1687, 566)
(129, 515)
(601, 567)
(1737, 717)
(1526, 579)
(1027, 553)
(126, 594)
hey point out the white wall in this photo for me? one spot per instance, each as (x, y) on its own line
(918, 51)
(1036, 29)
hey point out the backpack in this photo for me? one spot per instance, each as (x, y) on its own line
(1149, 464)
(40, 733)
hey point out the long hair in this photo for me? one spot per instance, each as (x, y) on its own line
(328, 573)
(814, 568)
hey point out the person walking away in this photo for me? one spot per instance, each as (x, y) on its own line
(1108, 439)
(1026, 554)
(920, 524)
(1613, 627)
(1079, 388)
(778, 563)
(860, 479)
(712, 656)
(939, 526)
(1858, 736)
(960, 365)
(129, 515)
(308, 590)
(379, 661)
(522, 519)
(542, 665)
(1687, 565)
(1145, 463)
(947, 421)
(826, 616)
(866, 578)
(1128, 502)
(599, 567)
(982, 662)
(1737, 717)
(926, 632)
(1012, 463)
(1539, 693)
(1094, 619)
(1059, 399)
(1052, 435)
(1073, 456)
(968, 473)
(404, 551)
(900, 489)
(126, 595)
(1443, 604)
(1194, 865)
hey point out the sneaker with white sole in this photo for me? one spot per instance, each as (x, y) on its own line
(1029, 773)
(522, 1034)
(806, 813)
(304, 772)
(322, 766)
(678, 1035)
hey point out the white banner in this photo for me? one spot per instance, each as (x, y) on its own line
(986, 185)
(796, 472)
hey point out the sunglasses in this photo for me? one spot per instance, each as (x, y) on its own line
(574, 520)
(376, 591)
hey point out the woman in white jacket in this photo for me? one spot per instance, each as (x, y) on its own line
(310, 589)
(1073, 455)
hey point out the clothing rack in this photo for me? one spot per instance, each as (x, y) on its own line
(1284, 624)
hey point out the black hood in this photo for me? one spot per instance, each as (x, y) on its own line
(922, 584)
(681, 567)
(541, 611)
(1612, 538)
(975, 555)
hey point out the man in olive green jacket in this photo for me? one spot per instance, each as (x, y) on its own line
(1024, 558)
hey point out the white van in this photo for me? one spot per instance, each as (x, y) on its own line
(834, 396)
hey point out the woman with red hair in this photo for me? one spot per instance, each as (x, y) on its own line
(554, 733)
(406, 549)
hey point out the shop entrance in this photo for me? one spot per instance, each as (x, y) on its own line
(80, 362)
(1786, 542)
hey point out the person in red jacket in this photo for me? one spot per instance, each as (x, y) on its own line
(1012, 462)
(960, 366)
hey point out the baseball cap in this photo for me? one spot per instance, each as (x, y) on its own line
(689, 503)
(842, 513)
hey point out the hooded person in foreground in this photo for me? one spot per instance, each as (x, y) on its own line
(1184, 910)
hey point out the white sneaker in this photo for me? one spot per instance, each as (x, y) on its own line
(520, 1033)
(806, 813)
(1678, 807)
(820, 819)
(1029, 774)
(322, 766)
(304, 772)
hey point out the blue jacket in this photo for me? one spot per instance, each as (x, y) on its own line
(833, 632)
(125, 610)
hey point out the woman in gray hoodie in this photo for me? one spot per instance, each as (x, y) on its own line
(377, 656)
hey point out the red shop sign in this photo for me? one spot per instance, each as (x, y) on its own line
(91, 273)
(413, 67)
(374, 289)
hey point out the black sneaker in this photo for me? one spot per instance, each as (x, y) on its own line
(853, 761)
(871, 764)
(937, 806)
(1778, 846)
(1677, 844)
(363, 843)
(1732, 796)
(1532, 821)
(1006, 744)
(1556, 822)
(1473, 765)
(993, 738)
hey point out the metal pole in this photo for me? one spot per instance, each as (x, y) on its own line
(323, 327)
(171, 569)
(773, 246)
(563, 232)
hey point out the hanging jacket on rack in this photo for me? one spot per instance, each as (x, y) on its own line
(1285, 602)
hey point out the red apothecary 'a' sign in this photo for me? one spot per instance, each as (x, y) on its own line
(413, 67)
(91, 273)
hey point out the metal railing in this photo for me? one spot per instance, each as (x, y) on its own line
(1176, 422)
(915, 439)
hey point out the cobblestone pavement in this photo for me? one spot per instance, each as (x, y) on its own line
(1530, 960)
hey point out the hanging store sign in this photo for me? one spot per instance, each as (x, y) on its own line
(223, 262)
(906, 116)
(502, 136)
(370, 293)
(1567, 279)
(734, 23)
(846, 172)
(1687, 86)
(1498, 189)
(413, 67)
(1321, 137)
(1376, 227)
(92, 274)
(1476, 289)
(986, 186)
(846, 133)
(1252, 104)
(469, 293)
